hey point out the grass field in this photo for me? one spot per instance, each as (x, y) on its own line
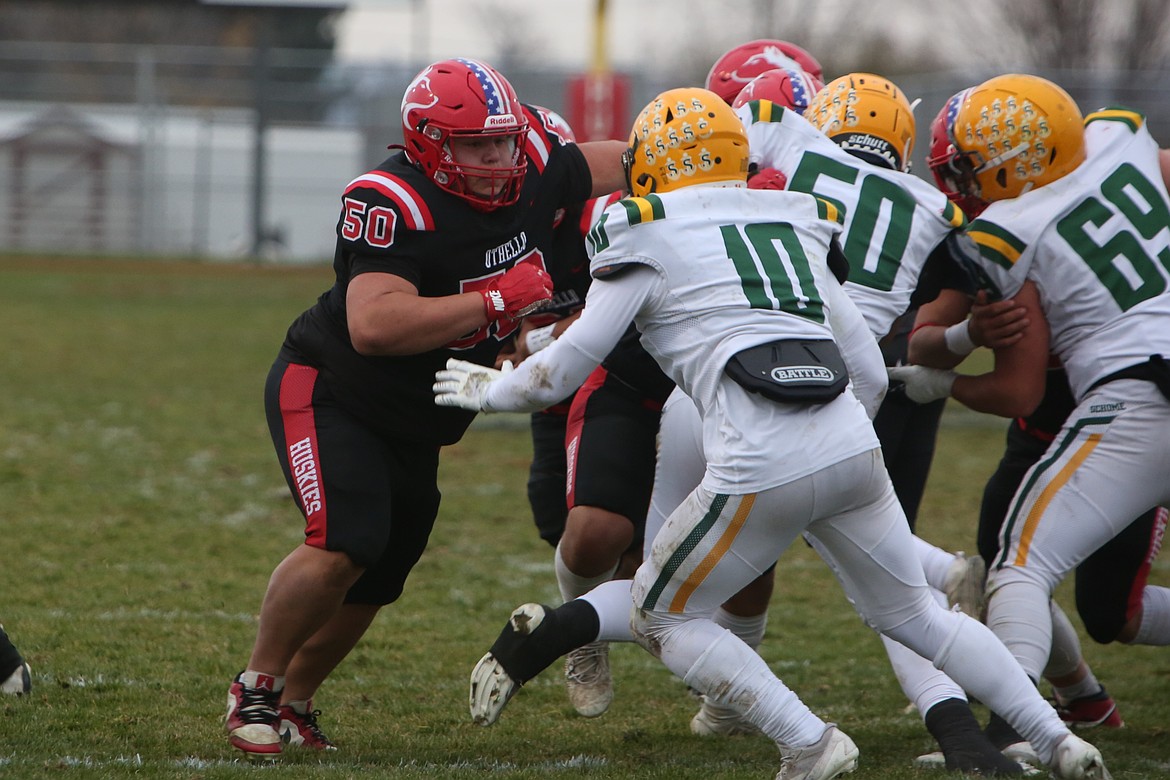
(142, 510)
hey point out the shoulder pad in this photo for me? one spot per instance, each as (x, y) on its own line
(641, 210)
(764, 111)
(415, 212)
(829, 211)
(1128, 117)
(996, 244)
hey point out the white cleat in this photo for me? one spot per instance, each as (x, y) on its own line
(717, 720)
(1022, 753)
(491, 689)
(965, 585)
(1076, 759)
(937, 760)
(18, 683)
(588, 680)
(833, 755)
(491, 686)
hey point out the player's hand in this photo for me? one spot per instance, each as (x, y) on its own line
(463, 384)
(767, 179)
(519, 292)
(996, 324)
(921, 384)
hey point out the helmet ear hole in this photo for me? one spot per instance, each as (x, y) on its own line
(1001, 177)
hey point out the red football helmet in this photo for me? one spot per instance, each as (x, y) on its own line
(783, 86)
(556, 124)
(737, 67)
(947, 166)
(464, 98)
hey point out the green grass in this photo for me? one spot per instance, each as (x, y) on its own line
(142, 510)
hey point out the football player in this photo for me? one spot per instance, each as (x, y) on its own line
(1074, 231)
(612, 441)
(726, 334)
(1108, 577)
(896, 259)
(440, 252)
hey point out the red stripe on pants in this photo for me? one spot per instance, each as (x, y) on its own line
(300, 439)
(573, 425)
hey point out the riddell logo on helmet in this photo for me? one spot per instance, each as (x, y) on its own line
(497, 121)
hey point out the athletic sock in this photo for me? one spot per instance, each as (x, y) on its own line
(1000, 732)
(574, 585)
(565, 628)
(1155, 627)
(964, 746)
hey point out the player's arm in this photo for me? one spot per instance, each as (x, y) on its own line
(386, 315)
(859, 350)
(533, 338)
(944, 334)
(555, 372)
(1013, 388)
(605, 166)
(1164, 162)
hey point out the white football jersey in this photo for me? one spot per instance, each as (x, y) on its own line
(740, 268)
(893, 220)
(1096, 243)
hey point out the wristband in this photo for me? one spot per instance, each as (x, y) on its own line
(539, 338)
(958, 338)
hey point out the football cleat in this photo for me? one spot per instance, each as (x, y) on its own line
(833, 755)
(492, 687)
(1089, 711)
(964, 585)
(252, 717)
(491, 690)
(718, 720)
(1022, 753)
(937, 760)
(964, 746)
(19, 682)
(587, 679)
(1076, 759)
(300, 729)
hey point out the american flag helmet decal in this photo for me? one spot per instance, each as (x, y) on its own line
(496, 96)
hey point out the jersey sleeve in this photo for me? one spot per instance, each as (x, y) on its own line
(1003, 259)
(382, 224)
(607, 240)
(552, 154)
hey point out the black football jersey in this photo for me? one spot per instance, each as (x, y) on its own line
(395, 220)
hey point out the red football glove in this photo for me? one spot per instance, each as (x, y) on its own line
(522, 290)
(767, 179)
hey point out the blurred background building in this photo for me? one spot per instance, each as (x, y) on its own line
(228, 128)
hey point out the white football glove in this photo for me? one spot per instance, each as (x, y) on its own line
(923, 384)
(464, 384)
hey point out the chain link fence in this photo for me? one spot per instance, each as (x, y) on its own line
(233, 153)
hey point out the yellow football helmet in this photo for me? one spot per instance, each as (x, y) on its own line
(1014, 133)
(684, 137)
(867, 116)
